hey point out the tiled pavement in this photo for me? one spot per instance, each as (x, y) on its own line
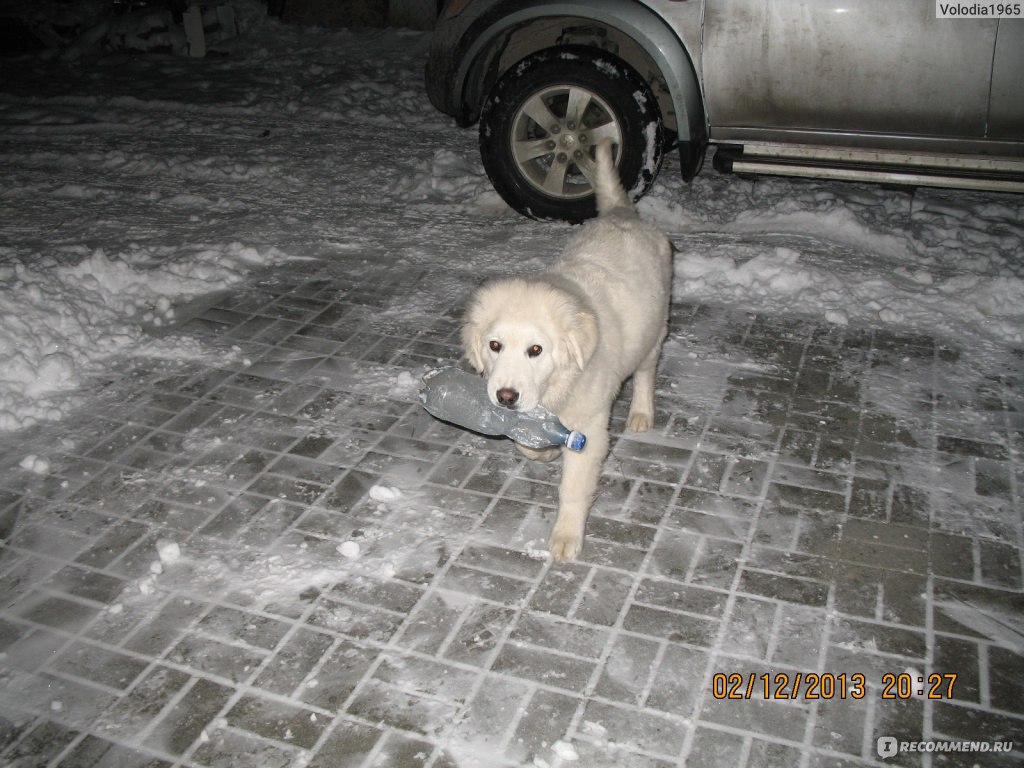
(815, 500)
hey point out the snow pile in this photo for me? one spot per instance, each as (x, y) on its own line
(936, 262)
(781, 279)
(61, 319)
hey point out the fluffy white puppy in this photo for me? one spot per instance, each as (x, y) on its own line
(568, 338)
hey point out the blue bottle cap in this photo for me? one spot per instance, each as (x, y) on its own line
(576, 441)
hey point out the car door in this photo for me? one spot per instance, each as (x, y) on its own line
(1006, 115)
(775, 68)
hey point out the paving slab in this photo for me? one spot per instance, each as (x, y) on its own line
(768, 574)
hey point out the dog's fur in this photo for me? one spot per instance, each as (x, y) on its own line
(568, 337)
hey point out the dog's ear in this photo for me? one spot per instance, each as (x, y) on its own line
(472, 341)
(580, 340)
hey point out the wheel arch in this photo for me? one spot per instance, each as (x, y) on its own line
(622, 28)
(549, 181)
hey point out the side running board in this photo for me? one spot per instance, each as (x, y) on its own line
(999, 174)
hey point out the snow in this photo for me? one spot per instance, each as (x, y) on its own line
(37, 464)
(349, 549)
(933, 262)
(137, 187)
(565, 751)
(168, 550)
(66, 310)
(385, 493)
(939, 262)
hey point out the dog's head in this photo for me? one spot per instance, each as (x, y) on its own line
(526, 337)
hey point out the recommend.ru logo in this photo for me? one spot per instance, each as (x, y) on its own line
(888, 746)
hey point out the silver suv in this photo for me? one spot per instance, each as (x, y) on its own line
(871, 90)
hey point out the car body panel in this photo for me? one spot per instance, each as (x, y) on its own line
(860, 66)
(1006, 113)
(481, 44)
(864, 75)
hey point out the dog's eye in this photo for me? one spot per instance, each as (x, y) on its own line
(535, 350)
(495, 345)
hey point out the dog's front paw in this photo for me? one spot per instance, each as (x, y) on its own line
(640, 422)
(565, 546)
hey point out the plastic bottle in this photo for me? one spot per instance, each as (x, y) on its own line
(454, 395)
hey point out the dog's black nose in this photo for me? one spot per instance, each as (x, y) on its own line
(507, 397)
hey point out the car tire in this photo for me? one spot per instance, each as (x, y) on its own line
(542, 119)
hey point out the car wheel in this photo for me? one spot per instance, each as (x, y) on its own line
(541, 121)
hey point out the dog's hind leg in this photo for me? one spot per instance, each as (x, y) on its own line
(641, 407)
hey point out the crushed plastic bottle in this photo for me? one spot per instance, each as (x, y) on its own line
(453, 395)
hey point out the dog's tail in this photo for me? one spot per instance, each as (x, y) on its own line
(607, 185)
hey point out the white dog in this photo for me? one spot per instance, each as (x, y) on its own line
(568, 337)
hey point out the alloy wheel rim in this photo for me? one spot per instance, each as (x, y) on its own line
(553, 136)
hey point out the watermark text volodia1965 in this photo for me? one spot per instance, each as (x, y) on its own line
(945, 9)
